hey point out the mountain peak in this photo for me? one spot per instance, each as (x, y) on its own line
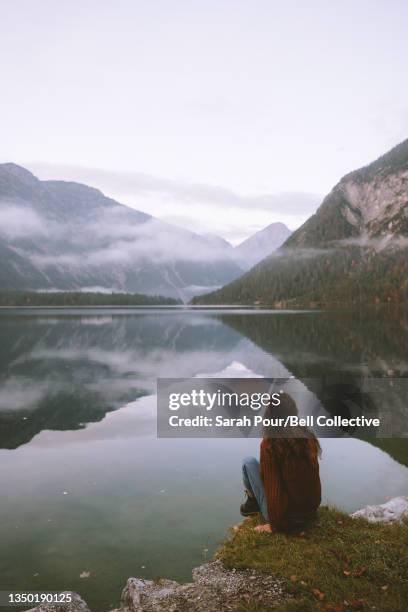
(18, 172)
(262, 243)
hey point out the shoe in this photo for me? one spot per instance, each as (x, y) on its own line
(249, 507)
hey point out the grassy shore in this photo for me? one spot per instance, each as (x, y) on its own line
(338, 564)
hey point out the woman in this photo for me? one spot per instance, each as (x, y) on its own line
(285, 486)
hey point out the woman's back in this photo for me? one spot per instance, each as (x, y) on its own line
(290, 473)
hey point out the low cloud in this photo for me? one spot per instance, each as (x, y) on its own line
(19, 221)
(300, 253)
(384, 243)
(380, 243)
(192, 204)
(290, 202)
(114, 238)
(21, 393)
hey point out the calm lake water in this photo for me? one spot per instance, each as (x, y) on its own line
(87, 486)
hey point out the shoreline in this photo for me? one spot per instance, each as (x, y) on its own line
(251, 567)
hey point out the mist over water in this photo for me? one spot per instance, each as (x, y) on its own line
(87, 485)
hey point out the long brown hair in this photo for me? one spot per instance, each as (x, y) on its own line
(292, 441)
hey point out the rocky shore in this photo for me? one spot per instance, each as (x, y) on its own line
(214, 587)
(392, 511)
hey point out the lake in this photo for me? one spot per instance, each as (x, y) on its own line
(86, 485)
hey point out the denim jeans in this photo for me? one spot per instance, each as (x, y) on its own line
(251, 476)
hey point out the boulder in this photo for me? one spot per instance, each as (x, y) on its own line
(392, 511)
(213, 588)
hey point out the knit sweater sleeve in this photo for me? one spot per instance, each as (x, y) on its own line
(276, 497)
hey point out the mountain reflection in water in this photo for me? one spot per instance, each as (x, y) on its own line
(89, 485)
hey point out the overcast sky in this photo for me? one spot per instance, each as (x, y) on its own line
(222, 116)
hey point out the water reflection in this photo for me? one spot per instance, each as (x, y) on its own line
(89, 485)
(62, 371)
(72, 372)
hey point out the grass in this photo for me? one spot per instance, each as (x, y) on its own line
(338, 564)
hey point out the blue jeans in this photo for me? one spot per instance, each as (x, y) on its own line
(251, 476)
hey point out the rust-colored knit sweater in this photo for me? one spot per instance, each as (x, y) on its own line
(292, 488)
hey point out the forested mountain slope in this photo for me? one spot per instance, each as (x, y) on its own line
(353, 250)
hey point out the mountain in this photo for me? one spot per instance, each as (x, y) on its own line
(263, 243)
(57, 235)
(368, 203)
(353, 250)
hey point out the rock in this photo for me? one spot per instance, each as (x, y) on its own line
(392, 511)
(213, 588)
(76, 605)
(137, 592)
